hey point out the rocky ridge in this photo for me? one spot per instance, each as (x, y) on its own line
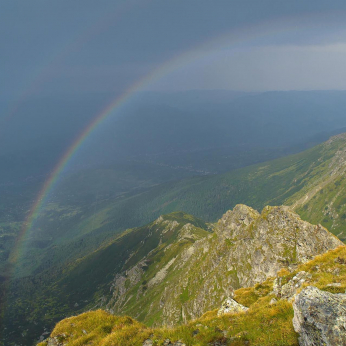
(264, 318)
(195, 274)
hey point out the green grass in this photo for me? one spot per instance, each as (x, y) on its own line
(264, 324)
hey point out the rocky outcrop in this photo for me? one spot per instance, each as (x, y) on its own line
(320, 317)
(195, 274)
(289, 289)
(231, 306)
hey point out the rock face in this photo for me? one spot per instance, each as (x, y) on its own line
(196, 272)
(320, 317)
(229, 306)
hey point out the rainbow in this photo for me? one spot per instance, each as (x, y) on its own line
(241, 36)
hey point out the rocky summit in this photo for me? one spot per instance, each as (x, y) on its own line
(181, 280)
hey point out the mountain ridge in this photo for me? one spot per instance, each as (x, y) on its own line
(245, 248)
(266, 321)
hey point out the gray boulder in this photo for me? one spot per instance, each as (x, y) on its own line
(231, 306)
(320, 317)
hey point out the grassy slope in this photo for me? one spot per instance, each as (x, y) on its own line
(264, 324)
(281, 181)
(276, 182)
(78, 285)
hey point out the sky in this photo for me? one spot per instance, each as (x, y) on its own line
(84, 46)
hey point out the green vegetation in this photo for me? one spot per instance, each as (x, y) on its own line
(75, 226)
(79, 245)
(80, 284)
(263, 324)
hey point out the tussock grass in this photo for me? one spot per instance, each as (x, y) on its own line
(264, 324)
(328, 268)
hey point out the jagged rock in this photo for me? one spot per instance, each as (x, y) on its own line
(245, 248)
(320, 317)
(233, 221)
(148, 342)
(288, 290)
(167, 342)
(230, 306)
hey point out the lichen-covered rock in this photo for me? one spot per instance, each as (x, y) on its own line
(231, 306)
(289, 289)
(320, 317)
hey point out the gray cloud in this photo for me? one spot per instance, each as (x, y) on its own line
(66, 46)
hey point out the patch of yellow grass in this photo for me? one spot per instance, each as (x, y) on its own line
(264, 324)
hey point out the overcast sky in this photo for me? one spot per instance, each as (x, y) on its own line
(50, 47)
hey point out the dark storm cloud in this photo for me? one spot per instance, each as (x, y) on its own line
(98, 46)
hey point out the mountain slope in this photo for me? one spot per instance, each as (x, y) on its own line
(170, 271)
(323, 197)
(281, 181)
(267, 322)
(220, 136)
(81, 284)
(246, 247)
(277, 182)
